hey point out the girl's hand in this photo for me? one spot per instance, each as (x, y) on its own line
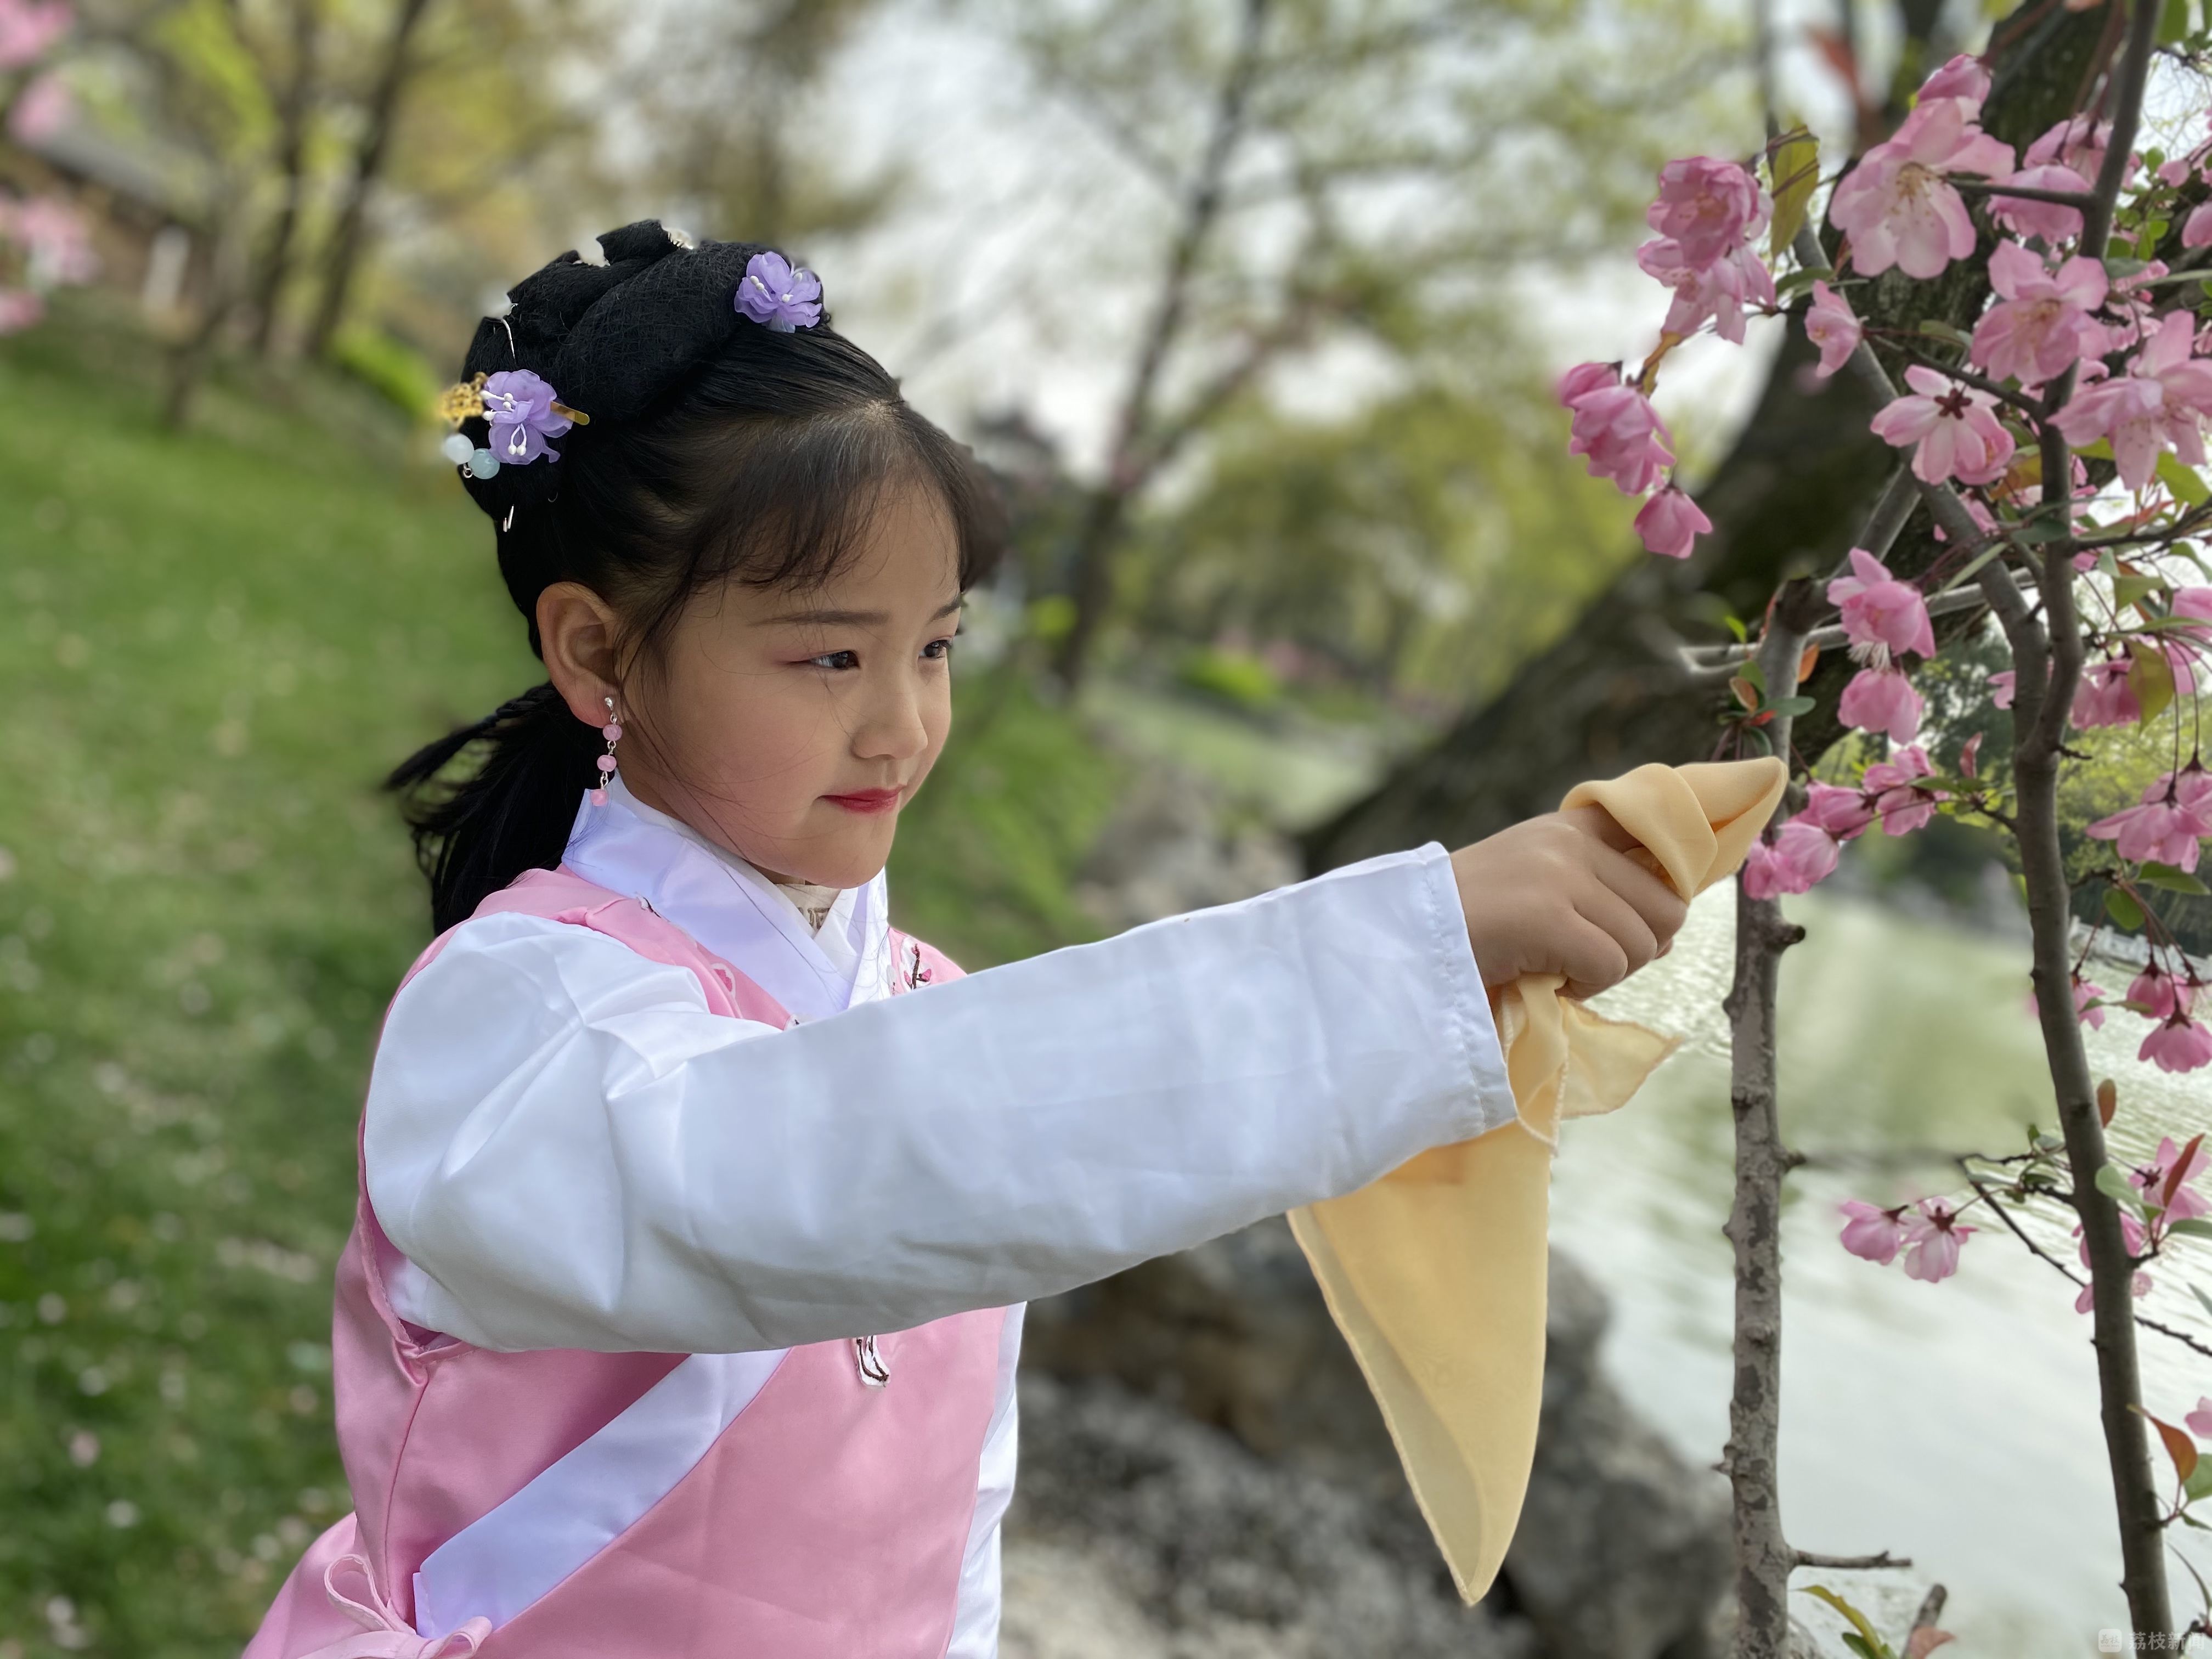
(1564, 894)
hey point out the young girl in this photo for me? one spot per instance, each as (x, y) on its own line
(698, 1204)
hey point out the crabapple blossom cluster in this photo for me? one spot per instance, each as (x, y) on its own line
(2159, 1194)
(2092, 351)
(45, 241)
(2097, 347)
(1707, 214)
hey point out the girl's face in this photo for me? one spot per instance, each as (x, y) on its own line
(792, 727)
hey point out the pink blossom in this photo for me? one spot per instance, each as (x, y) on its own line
(2197, 228)
(1985, 520)
(2137, 1242)
(1902, 806)
(2086, 993)
(2106, 698)
(2088, 997)
(2054, 222)
(1801, 856)
(19, 309)
(2195, 602)
(1616, 428)
(1879, 610)
(1881, 700)
(2149, 1179)
(1955, 426)
(1718, 291)
(2200, 1420)
(1670, 522)
(2134, 295)
(1708, 207)
(2163, 399)
(2174, 815)
(2180, 1044)
(41, 110)
(1871, 1234)
(2042, 326)
(27, 29)
(1585, 378)
(2155, 993)
(2132, 1235)
(2075, 142)
(2002, 684)
(58, 236)
(1843, 813)
(1830, 324)
(1895, 205)
(1932, 1239)
(1963, 77)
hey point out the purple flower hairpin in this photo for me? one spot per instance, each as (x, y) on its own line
(521, 409)
(777, 296)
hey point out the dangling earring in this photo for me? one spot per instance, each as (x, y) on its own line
(612, 732)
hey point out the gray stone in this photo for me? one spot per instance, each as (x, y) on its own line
(1223, 1361)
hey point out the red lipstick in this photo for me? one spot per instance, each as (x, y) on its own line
(867, 801)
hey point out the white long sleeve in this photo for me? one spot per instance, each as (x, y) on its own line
(576, 1153)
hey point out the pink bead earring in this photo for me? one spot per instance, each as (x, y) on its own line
(612, 732)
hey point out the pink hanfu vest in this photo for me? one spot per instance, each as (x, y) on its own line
(827, 1520)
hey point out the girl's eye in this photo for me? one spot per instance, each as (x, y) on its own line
(836, 659)
(938, 649)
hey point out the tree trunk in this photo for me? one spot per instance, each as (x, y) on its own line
(351, 234)
(1132, 458)
(1609, 693)
(293, 112)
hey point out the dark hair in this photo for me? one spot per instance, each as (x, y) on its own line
(717, 450)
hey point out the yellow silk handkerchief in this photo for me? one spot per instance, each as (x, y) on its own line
(1436, 1274)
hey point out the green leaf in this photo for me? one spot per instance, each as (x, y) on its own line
(2197, 1290)
(1737, 627)
(1867, 1640)
(2173, 880)
(1937, 330)
(2199, 1483)
(1793, 706)
(1793, 166)
(2102, 449)
(2113, 1184)
(2189, 1520)
(1968, 569)
(2128, 589)
(1751, 671)
(2124, 910)
(2150, 677)
(1797, 281)
(2173, 22)
(2187, 484)
(2195, 1227)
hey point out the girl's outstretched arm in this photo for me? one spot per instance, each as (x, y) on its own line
(575, 1153)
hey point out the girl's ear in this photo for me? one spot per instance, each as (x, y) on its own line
(577, 631)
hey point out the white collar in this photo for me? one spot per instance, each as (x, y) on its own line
(727, 904)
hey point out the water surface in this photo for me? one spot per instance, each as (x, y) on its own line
(1954, 1423)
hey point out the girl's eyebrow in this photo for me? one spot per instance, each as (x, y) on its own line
(855, 618)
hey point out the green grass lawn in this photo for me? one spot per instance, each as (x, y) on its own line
(211, 646)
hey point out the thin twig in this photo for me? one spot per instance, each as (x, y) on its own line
(2073, 198)
(1850, 1563)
